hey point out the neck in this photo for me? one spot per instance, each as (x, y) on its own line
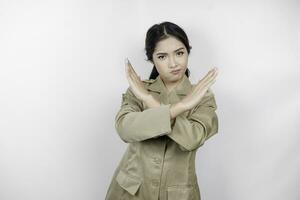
(172, 85)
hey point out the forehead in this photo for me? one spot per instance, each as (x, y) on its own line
(168, 45)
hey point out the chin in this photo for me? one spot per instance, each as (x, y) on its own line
(175, 78)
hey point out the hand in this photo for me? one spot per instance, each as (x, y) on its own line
(195, 96)
(135, 82)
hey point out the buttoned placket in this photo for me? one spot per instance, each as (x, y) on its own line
(158, 160)
(165, 99)
(158, 165)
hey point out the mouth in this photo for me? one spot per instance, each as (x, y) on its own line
(175, 71)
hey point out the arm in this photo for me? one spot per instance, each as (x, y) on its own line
(192, 131)
(134, 124)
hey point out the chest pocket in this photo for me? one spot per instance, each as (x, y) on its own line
(181, 192)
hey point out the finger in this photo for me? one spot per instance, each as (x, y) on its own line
(129, 64)
(135, 81)
(132, 79)
(131, 84)
(212, 81)
(126, 65)
(132, 70)
(210, 75)
(127, 71)
(207, 86)
(206, 77)
(206, 81)
(203, 82)
(212, 72)
(135, 76)
(128, 78)
(216, 71)
(129, 75)
(213, 75)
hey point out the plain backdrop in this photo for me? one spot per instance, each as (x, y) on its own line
(62, 74)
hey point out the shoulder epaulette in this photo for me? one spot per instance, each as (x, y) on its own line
(148, 80)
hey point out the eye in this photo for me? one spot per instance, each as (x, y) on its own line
(180, 53)
(159, 57)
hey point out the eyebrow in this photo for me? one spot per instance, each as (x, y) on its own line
(174, 51)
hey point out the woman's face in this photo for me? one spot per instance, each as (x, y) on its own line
(169, 55)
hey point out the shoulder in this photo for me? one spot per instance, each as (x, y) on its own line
(209, 98)
(210, 92)
(148, 82)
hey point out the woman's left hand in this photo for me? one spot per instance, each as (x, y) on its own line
(135, 82)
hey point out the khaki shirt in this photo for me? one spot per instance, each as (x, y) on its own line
(159, 162)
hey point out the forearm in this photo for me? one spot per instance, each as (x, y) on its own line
(135, 126)
(151, 102)
(176, 109)
(191, 131)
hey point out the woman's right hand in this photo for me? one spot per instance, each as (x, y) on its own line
(197, 93)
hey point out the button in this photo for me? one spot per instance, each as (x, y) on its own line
(155, 182)
(157, 160)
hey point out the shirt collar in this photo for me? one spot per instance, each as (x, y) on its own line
(182, 88)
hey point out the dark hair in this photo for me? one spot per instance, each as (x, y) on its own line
(159, 32)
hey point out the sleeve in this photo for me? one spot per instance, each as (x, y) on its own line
(133, 124)
(192, 131)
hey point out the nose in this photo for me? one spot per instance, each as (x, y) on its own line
(172, 62)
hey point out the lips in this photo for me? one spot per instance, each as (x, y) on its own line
(175, 71)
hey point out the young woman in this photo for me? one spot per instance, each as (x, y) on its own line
(164, 119)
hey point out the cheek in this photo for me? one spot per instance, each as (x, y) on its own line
(184, 60)
(160, 65)
(160, 68)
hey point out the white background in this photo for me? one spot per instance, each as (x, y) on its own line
(62, 76)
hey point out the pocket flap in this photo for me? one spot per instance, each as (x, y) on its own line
(128, 182)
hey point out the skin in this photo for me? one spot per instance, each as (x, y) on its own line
(170, 54)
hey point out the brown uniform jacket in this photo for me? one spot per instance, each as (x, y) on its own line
(159, 162)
